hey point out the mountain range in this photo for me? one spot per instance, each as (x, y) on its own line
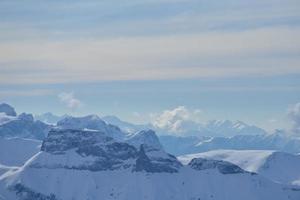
(244, 136)
(93, 158)
(87, 164)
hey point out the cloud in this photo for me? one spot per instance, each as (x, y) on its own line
(294, 115)
(69, 100)
(177, 121)
(256, 52)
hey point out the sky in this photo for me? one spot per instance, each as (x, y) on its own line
(230, 59)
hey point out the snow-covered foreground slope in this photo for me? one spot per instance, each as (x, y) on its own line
(81, 165)
(16, 151)
(188, 184)
(4, 169)
(277, 166)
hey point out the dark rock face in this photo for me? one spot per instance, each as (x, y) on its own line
(144, 163)
(24, 193)
(223, 166)
(61, 140)
(107, 154)
(7, 109)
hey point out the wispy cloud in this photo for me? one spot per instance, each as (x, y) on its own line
(244, 53)
(69, 100)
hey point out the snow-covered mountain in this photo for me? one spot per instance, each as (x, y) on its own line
(49, 118)
(187, 145)
(78, 164)
(7, 109)
(249, 137)
(91, 122)
(227, 128)
(213, 128)
(23, 126)
(277, 166)
(146, 137)
(125, 126)
(276, 141)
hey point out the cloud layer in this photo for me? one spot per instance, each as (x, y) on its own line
(142, 40)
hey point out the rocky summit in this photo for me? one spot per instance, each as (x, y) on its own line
(96, 151)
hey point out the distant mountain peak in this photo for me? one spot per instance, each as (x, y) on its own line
(26, 117)
(147, 138)
(231, 128)
(7, 109)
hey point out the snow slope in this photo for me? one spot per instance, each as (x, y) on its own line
(16, 151)
(277, 166)
(123, 185)
(4, 169)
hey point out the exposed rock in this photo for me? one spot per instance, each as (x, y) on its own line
(223, 166)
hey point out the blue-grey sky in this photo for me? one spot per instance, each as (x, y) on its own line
(231, 59)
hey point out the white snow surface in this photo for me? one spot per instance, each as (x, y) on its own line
(277, 166)
(69, 184)
(16, 151)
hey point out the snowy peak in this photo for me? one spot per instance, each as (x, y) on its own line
(126, 127)
(96, 151)
(26, 117)
(24, 126)
(229, 128)
(151, 154)
(91, 122)
(7, 109)
(49, 118)
(88, 122)
(148, 138)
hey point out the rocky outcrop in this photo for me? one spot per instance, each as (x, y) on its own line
(223, 166)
